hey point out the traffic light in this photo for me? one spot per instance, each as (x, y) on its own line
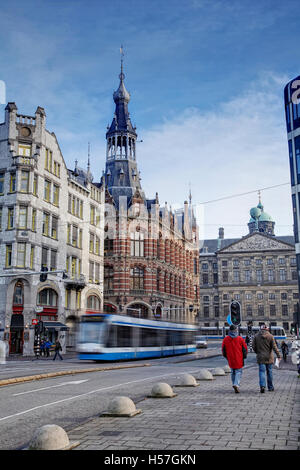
(43, 277)
(235, 313)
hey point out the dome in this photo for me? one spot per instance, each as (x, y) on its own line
(264, 217)
(251, 220)
(121, 93)
(255, 212)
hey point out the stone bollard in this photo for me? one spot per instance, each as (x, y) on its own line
(187, 380)
(227, 369)
(218, 371)
(121, 407)
(204, 374)
(162, 390)
(51, 437)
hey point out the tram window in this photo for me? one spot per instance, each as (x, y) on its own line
(148, 337)
(124, 336)
(112, 337)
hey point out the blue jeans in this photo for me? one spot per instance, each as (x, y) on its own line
(236, 375)
(263, 369)
(57, 353)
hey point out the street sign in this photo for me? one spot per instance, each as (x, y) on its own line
(34, 321)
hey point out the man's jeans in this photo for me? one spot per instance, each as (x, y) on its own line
(236, 375)
(263, 369)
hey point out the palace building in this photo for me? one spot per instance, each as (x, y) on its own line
(151, 252)
(258, 270)
(50, 218)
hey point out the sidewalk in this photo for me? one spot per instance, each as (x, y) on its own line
(208, 417)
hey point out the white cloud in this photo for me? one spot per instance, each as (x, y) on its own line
(239, 147)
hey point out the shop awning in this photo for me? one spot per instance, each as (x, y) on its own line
(55, 325)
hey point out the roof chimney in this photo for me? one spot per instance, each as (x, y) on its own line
(221, 233)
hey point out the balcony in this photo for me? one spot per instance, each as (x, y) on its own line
(20, 160)
(77, 283)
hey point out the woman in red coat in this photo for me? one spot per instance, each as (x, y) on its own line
(235, 350)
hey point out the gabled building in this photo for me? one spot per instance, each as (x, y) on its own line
(258, 270)
(50, 217)
(151, 252)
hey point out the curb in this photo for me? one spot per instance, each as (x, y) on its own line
(66, 372)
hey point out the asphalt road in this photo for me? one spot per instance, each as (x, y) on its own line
(72, 399)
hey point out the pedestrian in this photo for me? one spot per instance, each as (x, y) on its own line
(284, 349)
(43, 347)
(263, 345)
(235, 350)
(247, 340)
(57, 349)
(47, 347)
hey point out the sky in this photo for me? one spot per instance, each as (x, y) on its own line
(206, 79)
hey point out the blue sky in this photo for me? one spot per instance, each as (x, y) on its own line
(206, 79)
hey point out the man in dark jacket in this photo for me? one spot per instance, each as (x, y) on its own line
(57, 349)
(235, 350)
(263, 345)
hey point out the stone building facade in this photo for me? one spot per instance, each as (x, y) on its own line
(51, 217)
(258, 270)
(151, 252)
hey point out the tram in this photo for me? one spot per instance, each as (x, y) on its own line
(214, 332)
(111, 337)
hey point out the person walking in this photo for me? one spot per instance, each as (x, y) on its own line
(263, 345)
(284, 349)
(57, 349)
(47, 347)
(234, 349)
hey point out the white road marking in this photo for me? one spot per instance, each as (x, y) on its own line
(77, 382)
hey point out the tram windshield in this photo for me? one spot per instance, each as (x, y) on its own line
(91, 332)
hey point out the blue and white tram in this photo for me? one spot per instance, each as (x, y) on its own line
(110, 337)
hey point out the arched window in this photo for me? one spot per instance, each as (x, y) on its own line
(93, 302)
(47, 297)
(18, 298)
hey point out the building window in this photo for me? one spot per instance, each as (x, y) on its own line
(204, 266)
(21, 252)
(236, 276)
(225, 275)
(282, 274)
(108, 278)
(31, 257)
(259, 275)
(25, 150)
(273, 310)
(92, 215)
(12, 183)
(56, 195)
(93, 302)
(44, 256)
(272, 296)
(91, 271)
(247, 276)
(249, 310)
(53, 257)
(73, 267)
(206, 311)
(260, 310)
(47, 297)
(285, 310)
(270, 261)
(271, 275)
(22, 217)
(283, 296)
(260, 295)
(8, 256)
(10, 218)
(137, 244)
(2, 176)
(54, 227)
(294, 275)
(205, 278)
(137, 278)
(35, 185)
(47, 190)
(33, 220)
(248, 296)
(92, 242)
(75, 236)
(24, 186)
(18, 298)
(236, 263)
(45, 229)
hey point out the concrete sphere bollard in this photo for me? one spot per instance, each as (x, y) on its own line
(50, 437)
(218, 371)
(187, 380)
(205, 374)
(162, 390)
(227, 369)
(121, 406)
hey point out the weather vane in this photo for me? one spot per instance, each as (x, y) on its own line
(122, 76)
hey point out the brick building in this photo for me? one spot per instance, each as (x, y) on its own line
(151, 252)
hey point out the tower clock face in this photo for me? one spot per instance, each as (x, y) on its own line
(25, 131)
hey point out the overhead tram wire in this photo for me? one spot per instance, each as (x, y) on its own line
(244, 194)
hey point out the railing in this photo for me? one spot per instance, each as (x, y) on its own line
(23, 119)
(21, 160)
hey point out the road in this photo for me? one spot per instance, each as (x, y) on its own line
(69, 400)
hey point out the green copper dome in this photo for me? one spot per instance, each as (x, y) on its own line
(265, 217)
(255, 212)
